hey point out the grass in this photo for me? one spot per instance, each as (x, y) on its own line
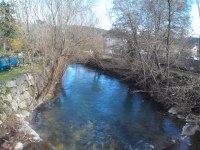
(182, 78)
(181, 75)
(8, 75)
(106, 58)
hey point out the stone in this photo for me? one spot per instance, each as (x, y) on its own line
(25, 96)
(3, 90)
(13, 91)
(180, 117)
(22, 105)
(14, 105)
(29, 79)
(36, 137)
(22, 88)
(17, 99)
(9, 97)
(25, 127)
(22, 117)
(20, 80)
(189, 129)
(25, 113)
(173, 111)
(192, 118)
(18, 146)
(15, 96)
(11, 84)
(3, 116)
(7, 110)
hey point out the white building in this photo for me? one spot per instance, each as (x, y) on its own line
(195, 53)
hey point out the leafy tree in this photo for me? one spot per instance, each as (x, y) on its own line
(7, 24)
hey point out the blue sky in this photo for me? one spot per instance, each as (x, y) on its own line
(102, 10)
(195, 19)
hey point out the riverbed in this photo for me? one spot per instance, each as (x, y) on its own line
(99, 112)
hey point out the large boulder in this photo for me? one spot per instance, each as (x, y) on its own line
(189, 129)
(11, 84)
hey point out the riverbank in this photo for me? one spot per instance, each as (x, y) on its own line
(99, 111)
(174, 106)
(17, 103)
(24, 84)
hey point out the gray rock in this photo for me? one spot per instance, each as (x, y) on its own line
(24, 97)
(17, 99)
(20, 80)
(189, 129)
(9, 97)
(15, 96)
(25, 128)
(11, 84)
(22, 105)
(193, 118)
(29, 79)
(3, 116)
(14, 105)
(173, 111)
(18, 146)
(25, 113)
(27, 95)
(23, 88)
(7, 110)
(3, 90)
(180, 117)
(13, 91)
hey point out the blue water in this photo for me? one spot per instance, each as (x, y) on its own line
(97, 111)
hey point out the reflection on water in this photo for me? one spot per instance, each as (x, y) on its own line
(98, 112)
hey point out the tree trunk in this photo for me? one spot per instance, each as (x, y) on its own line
(168, 44)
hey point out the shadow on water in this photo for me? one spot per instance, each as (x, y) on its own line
(97, 111)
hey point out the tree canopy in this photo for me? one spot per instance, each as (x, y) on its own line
(7, 23)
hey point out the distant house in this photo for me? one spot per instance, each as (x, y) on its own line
(195, 53)
(115, 42)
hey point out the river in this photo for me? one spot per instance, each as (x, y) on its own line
(99, 112)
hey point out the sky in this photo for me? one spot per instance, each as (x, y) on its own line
(195, 20)
(102, 8)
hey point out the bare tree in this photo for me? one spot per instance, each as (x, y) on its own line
(53, 28)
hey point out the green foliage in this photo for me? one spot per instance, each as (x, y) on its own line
(18, 51)
(106, 58)
(7, 23)
(7, 75)
(181, 78)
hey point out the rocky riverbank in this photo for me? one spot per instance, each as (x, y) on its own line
(192, 120)
(16, 104)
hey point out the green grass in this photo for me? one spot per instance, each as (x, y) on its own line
(106, 58)
(8, 75)
(181, 78)
(181, 75)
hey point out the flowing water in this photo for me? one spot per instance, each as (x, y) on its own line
(99, 112)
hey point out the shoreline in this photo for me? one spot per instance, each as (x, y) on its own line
(192, 121)
(191, 127)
